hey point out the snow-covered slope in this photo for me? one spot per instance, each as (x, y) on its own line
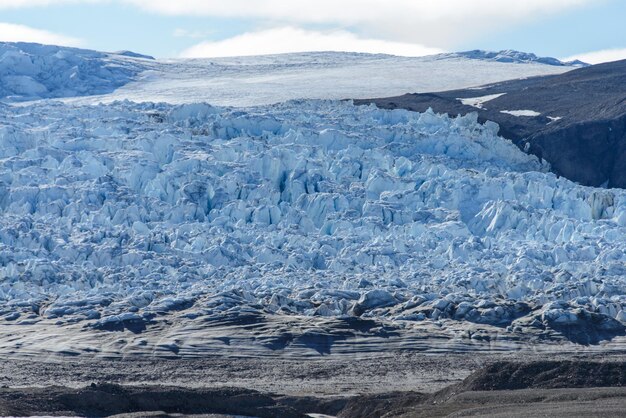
(125, 211)
(250, 81)
(512, 56)
(32, 71)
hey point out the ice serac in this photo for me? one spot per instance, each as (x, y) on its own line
(32, 71)
(116, 214)
(576, 121)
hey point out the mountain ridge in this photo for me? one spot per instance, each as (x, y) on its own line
(511, 55)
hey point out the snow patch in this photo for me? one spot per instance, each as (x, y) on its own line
(554, 119)
(478, 102)
(521, 113)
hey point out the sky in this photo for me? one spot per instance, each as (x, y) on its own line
(591, 30)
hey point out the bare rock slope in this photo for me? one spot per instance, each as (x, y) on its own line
(576, 121)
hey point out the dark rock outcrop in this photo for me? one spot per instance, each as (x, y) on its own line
(580, 128)
(510, 375)
(108, 399)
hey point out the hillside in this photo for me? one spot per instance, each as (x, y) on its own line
(576, 121)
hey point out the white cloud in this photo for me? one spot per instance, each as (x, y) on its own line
(597, 57)
(432, 22)
(10, 32)
(291, 39)
(17, 4)
(194, 34)
(351, 11)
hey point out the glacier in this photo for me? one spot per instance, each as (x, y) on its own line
(32, 72)
(135, 197)
(510, 55)
(262, 80)
(316, 208)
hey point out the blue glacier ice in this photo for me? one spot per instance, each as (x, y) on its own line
(315, 208)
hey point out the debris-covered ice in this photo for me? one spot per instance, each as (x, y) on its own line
(126, 211)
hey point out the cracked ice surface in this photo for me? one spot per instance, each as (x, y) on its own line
(124, 211)
(32, 71)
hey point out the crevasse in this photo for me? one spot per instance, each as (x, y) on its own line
(307, 207)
